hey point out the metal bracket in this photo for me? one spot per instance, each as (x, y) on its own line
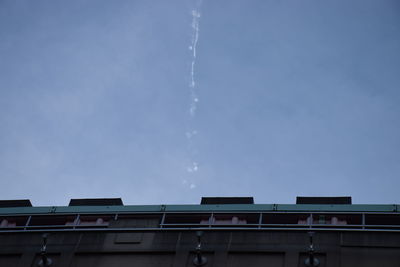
(315, 262)
(311, 260)
(44, 261)
(199, 259)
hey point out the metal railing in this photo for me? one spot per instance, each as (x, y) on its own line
(207, 221)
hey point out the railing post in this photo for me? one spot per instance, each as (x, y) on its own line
(27, 222)
(260, 219)
(363, 220)
(162, 220)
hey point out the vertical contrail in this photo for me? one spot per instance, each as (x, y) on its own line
(193, 166)
(193, 47)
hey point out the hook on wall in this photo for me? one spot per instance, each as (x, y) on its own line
(199, 259)
(44, 259)
(311, 259)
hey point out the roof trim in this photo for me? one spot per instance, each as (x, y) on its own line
(200, 208)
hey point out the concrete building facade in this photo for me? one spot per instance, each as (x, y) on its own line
(220, 232)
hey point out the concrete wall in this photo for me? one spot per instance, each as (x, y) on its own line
(222, 249)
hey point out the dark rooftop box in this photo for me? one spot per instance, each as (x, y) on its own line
(15, 203)
(323, 200)
(226, 200)
(96, 202)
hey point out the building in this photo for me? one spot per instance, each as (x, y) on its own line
(219, 232)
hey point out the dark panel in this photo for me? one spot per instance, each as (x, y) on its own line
(128, 238)
(226, 200)
(96, 202)
(323, 200)
(15, 203)
(255, 259)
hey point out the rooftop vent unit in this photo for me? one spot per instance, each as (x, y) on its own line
(226, 200)
(323, 200)
(96, 202)
(15, 203)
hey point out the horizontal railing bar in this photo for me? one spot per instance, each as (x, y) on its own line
(208, 224)
(208, 229)
(186, 225)
(159, 213)
(285, 225)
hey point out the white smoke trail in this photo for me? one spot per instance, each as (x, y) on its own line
(195, 26)
(193, 167)
(195, 38)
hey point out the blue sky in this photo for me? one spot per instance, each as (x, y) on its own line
(294, 98)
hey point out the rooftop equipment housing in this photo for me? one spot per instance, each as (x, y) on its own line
(324, 200)
(226, 200)
(96, 202)
(15, 203)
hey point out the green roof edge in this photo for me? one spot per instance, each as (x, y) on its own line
(200, 208)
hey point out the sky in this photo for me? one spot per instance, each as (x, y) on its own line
(163, 102)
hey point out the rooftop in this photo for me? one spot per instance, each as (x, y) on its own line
(208, 204)
(214, 213)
